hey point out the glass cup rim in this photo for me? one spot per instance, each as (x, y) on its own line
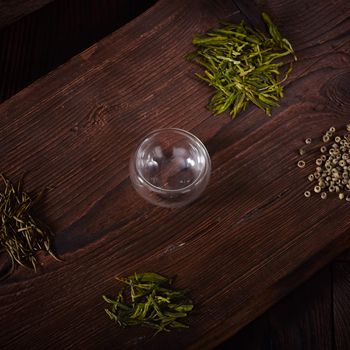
(188, 135)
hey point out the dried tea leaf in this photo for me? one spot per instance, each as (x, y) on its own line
(149, 300)
(243, 65)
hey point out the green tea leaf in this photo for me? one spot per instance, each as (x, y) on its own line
(22, 235)
(149, 300)
(149, 277)
(243, 65)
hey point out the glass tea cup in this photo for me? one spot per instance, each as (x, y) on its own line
(170, 168)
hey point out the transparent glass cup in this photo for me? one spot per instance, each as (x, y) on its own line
(170, 168)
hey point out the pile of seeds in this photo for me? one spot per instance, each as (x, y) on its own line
(332, 167)
(243, 65)
(149, 300)
(21, 235)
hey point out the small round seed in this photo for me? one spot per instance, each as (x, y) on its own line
(311, 177)
(318, 169)
(323, 149)
(308, 141)
(318, 161)
(317, 175)
(342, 163)
(341, 195)
(323, 158)
(337, 139)
(302, 151)
(323, 195)
(301, 164)
(347, 198)
(332, 129)
(325, 138)
(331, 188)
(307, 194)
(317, 189)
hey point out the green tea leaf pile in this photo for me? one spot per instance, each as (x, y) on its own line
(22, 235)
(243, 65)
(150, 300)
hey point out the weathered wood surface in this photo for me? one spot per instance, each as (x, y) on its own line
(47, 38)
(341, 296)
(249, 240)
(12, 10)
(302, 320)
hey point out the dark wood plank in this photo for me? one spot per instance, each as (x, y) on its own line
(344, 257)
(13, 10)
(246, 243)
(341, 299)
(255, 336)
(40, 42)
(302, 320)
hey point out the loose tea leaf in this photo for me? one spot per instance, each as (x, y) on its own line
(243, 65)
(148, 299)
(22, 235)
(331, 167)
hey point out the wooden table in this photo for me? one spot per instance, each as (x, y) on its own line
(13, 10)
(251, 237)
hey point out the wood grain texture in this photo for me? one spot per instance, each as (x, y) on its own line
(302, 320)
(40, 42)
(344, 257)
(341, 299)
(13, 10)
(248, 241)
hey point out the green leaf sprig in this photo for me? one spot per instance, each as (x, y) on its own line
(243, 65)
(148, 299)
(22, 235)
